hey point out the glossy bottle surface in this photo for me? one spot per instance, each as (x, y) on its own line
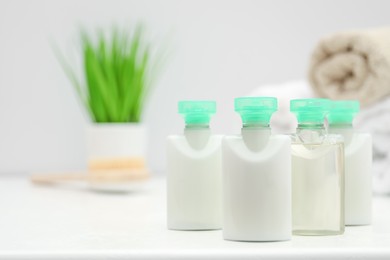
(358, 176)
(194, 195)
(257, 186)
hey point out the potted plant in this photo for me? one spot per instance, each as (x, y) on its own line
(119, 70)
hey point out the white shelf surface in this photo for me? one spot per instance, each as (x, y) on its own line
(72, 222)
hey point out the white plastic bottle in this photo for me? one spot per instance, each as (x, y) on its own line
(358, 162)
(256, 176)
(317, 172)
(194, 175)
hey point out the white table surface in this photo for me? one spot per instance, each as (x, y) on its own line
(72, 222)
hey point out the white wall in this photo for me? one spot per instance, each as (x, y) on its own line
(221, 50)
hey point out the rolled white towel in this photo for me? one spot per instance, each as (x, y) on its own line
(352, 65)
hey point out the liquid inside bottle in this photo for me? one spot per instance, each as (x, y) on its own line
(317, 187)
(317, 173)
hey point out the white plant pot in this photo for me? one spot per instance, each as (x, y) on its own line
(115, 147)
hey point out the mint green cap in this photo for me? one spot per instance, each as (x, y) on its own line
(255, 110)
(310, 110)
(343, 111)
(197, 112)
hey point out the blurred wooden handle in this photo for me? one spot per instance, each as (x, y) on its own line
(55, 177)
(102, 176)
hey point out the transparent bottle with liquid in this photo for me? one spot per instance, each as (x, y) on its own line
(317, 172)
(194, 174)
(256, 176)
(358, 162)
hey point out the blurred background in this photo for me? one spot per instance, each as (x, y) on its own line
(218, 50)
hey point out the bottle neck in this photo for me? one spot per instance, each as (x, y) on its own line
(346, 130)
(197, 135)
(256, 136)
(311, 132)
(311, 126)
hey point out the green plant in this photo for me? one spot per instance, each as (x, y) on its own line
(119, 71)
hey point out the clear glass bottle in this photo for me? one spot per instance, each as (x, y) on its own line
(317, 172)
(358, 162)
(256, 176)
(194, 174)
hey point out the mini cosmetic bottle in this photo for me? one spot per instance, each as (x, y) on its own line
(194, 175)
(358, 162)
(317, 172)
(256, 176)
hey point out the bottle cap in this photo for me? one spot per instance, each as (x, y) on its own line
(311, 110)
(343, 112)
(255, 110)
(197, 112)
